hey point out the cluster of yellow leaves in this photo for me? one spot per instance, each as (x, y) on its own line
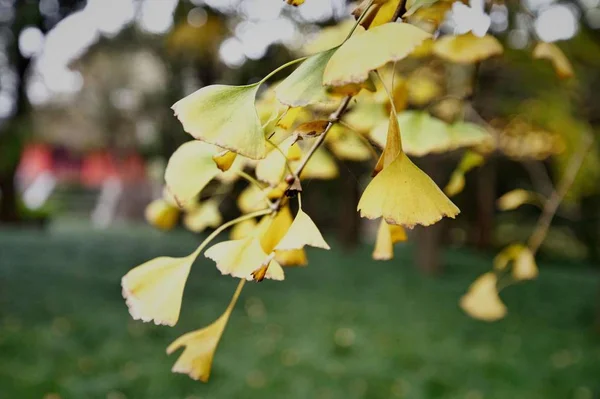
(520, 139)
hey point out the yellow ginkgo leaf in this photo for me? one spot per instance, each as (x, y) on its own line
(482, 301)
(272, 229)
(465, 134)
(320, 166)
(252, 199)
(224, 159)
(330, 37)
(554, 54)
(272, 169)
(403, 194)
(523, 262)
(289, 117)
(456, 184)
(515, 198)
(294, 257)
(467, 48)
(375, 12)
(161, 214)
(367, 51)
(153, 290)
(202, 216)
(242, 229)
(302, 232)
(347, 145)
(387, 236)
(200, 345)
(366, 115)
(413, 6)
(190, 169)
(311, 129)
(393, 144)
(422, 89)
(294, 3)
(240, 258)
(224, 116)
(304, 86)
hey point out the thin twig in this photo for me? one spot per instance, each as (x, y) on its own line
(400, 10)
(551, 206)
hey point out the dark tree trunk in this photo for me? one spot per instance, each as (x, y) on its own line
(485, 207)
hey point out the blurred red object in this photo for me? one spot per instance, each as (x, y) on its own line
(36, 159)
(97, 167)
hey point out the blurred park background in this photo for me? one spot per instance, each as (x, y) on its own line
(86, 130)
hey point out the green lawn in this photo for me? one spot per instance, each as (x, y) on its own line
(345, 327)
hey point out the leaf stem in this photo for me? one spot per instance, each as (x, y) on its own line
(224, 226)
(287, 64)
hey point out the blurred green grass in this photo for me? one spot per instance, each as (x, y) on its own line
(345, 327)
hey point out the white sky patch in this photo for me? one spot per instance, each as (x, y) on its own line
(470, 18)
(31, 41)
(111, 15)
(232, 52)
(555, 23)
(157, 16)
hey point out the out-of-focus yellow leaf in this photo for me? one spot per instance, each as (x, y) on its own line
(347, 145)
(469, 161)
(224, 160)
(273, 168)
(251, 199)
(554, 54)
(273, 228)
(330, 37)
(153, 290)
(304, 86)
(433, 14)
(365, 116)
(466, 134)
(523, 262)
(423, 50)
(202, 216)
(201, 345)
(413, 6)
(515, 198)
(190, 169)
(287, 119)
(387, 236)
(242, 229)
(320, 166)
(240, 258)
(302, 232)
(294, 3)
(224, 116)
(161, 214)
(403, 194)
(369, 50)
(422, 89)
(482, 301)
(467, 48)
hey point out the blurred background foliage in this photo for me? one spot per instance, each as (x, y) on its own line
(85, 132)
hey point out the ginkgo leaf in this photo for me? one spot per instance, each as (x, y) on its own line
(387, 236)
(393, 144)
(273, 167)
(413, 6)
(456, 184)
(311, 129)
(224, 159)
(330, 37)
(376, 12)
(422, 88)
(465, 134)
(293, 257)
(367, 51)
(482, 301)
(348, 145)
(320, 166)
(202, 216)
(200, 345)
(523, 262)
(240, 258)
(242, 229)
(554, 54)
(252, 199)
(467, 48)
(273, 228)
(302, 232)
(224, 116)
(294, 3)
(403, 194)
(161, 214)
(153, 290)
(515, 198)
(304, 86)
(289, 116)
(190, 169)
